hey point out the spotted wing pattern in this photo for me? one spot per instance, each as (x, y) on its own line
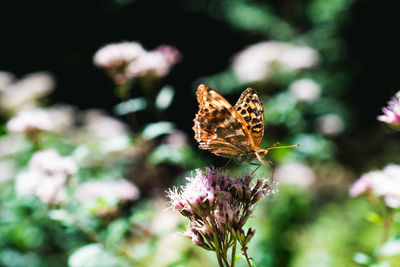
(218, 127)
(250, 107)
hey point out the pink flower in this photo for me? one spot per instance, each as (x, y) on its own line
(216, 203)
(24, 93)
(28, 121)
(385, 184)
(109, 191)
(258, 62)
(391, 113)
(50, 162)
(155, 63)
(117, 54)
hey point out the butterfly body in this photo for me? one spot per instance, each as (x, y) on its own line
(233, 132)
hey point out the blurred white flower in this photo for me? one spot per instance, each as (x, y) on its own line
(177, 139)
(154, 63)
(25, 92)
(294, 58)
(109, 191)
(114, 55)
(330, 124)
(49, 188)
(259, 61)
(128, 60)
(295, 173)
(8, 168)
(50, 162)
(62, 117)
(304, 90)
(27, 121)
(384, 184)
(6, 78)
(99, 126)
(46, 176)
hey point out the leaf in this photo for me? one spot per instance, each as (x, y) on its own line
(94, 255)
(165, 97)
(157, 129)
(116, 230)
(240, 256)
(380, 264)
(390, 248)
(362, 258)
(374, 218)
(130, 106)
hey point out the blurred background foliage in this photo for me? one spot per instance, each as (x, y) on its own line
(323, 69)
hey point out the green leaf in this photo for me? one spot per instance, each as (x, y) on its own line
(362, 258)
(380, 264)
(374, 218)
(116, 231)
(390, 248)
(157, 129)
(94, 255)
(130, 106)
(165, 97)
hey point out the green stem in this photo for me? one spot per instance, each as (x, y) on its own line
(387, 223)
(217, 248)
(244, 249)
(233, 252)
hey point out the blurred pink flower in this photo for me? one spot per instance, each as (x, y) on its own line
(63, 118)
(48, 188)
(170, 53)
(295, 173)
(259, 61)
(109, 191)
(50, 162)
(28, 121)
(391, 113)
(24, 93)
(100, 126)
(114, 55)
(46, 176)
(305, 89)
(177, 139)
(385, 184)
(330, 124)
(6, 78)
(155, 63)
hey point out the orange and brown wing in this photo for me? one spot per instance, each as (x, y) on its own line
(250, 107)
(218, 127)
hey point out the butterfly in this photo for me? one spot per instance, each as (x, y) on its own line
(233, 132)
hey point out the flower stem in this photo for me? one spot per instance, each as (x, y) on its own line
(387, 224)
(217, 249)
(233, 252)
(244, 249)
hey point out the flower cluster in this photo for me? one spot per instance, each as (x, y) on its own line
(30, 121)
(391, 113)
(24, 93)
(129, 60)
(46, 176)
(218, 205)
(259, 61)
(385, 184)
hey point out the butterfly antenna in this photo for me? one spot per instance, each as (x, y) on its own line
(277, 147)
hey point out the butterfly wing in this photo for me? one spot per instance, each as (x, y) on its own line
(250, 107)
(218, 127)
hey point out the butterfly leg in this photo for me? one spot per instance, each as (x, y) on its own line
(258, 166)
(226, 165)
